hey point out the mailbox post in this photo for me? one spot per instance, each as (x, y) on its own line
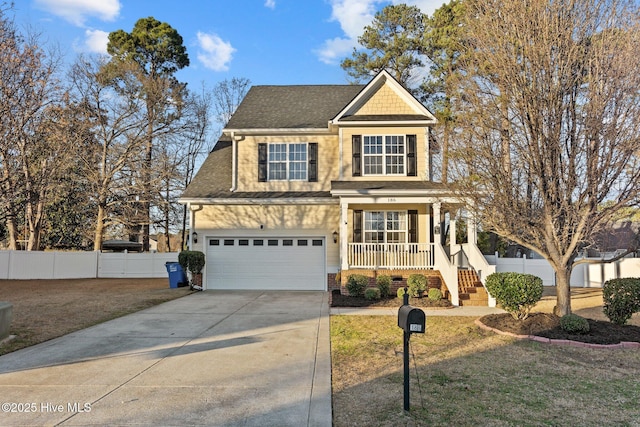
(412, 321)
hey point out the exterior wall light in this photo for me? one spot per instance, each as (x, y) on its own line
(335, 237)
(194, 237)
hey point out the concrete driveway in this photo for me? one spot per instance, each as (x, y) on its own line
(223, 358)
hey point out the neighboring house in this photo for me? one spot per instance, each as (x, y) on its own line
(307, 181)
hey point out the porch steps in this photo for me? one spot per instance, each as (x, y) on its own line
(470, 289)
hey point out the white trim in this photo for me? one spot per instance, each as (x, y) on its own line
(377, 82)
(265, 201)
(280, 131)
(372, 123)
(392, 199)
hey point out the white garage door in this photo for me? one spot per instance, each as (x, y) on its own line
(276, 263)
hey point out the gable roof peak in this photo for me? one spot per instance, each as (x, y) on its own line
(413, 108)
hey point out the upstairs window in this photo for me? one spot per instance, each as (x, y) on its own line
(287, 162)
(384, 155)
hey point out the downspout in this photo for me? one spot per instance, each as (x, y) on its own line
(192, 222)
(234, 160)
(340, 163)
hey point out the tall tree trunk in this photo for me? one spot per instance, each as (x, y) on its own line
(13, 231)
(146, 176)
(563, 291)
(99, 231)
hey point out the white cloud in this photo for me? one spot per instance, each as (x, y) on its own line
(77, 11)
(271, 4)
(96, 41)
(214, 52)
(334, 50)
(426, 6)
(353, 16)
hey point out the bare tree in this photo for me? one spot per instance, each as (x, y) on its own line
(116, 120)
(29, 161)
(226, 97)
(549, 137)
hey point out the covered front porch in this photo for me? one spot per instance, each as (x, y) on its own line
(403, 231)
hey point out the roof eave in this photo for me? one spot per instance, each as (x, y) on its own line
(384, 123)
(276, 131)
(384, 192)
(260, 201)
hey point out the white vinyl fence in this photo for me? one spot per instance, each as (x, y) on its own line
(23, 265)
(583, 275)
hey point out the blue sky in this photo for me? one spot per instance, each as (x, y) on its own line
(267, 41)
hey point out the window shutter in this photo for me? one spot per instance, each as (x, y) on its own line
(356, 147)
(262, 162)
(357, 226)
(413, 226)
(411, 156)
(313, 162)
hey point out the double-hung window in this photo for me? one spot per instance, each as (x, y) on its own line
(287, 162)
(385, 227)
(383, 155)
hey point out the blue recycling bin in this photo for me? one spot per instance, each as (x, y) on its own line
(176, 275)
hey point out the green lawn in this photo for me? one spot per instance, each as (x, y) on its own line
(464, 376)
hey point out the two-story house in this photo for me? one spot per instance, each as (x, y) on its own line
(310, 180)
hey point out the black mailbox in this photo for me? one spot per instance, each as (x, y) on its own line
(411, 319)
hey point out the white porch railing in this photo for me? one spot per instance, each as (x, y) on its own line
(390, 255)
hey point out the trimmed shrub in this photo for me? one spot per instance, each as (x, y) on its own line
(417, 284)
(372, 293)
(434, 294)
(192, 261)
(383, 282)
(621, 299)
(356, 284)
(574, 324)
(516, 293)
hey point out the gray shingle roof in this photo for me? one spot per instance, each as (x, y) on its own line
(291, 107)
(213, 180)
(214, 176)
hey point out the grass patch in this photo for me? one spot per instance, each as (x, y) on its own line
(471, 377)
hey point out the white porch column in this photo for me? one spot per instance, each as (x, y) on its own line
(436, 222)
(472, 232)
(452, 236)
(344, 238)
(427, 228)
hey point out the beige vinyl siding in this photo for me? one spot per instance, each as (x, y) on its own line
(248, 163)
(420, 133)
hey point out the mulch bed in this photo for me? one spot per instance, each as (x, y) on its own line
(339, 300)
(548, 326)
